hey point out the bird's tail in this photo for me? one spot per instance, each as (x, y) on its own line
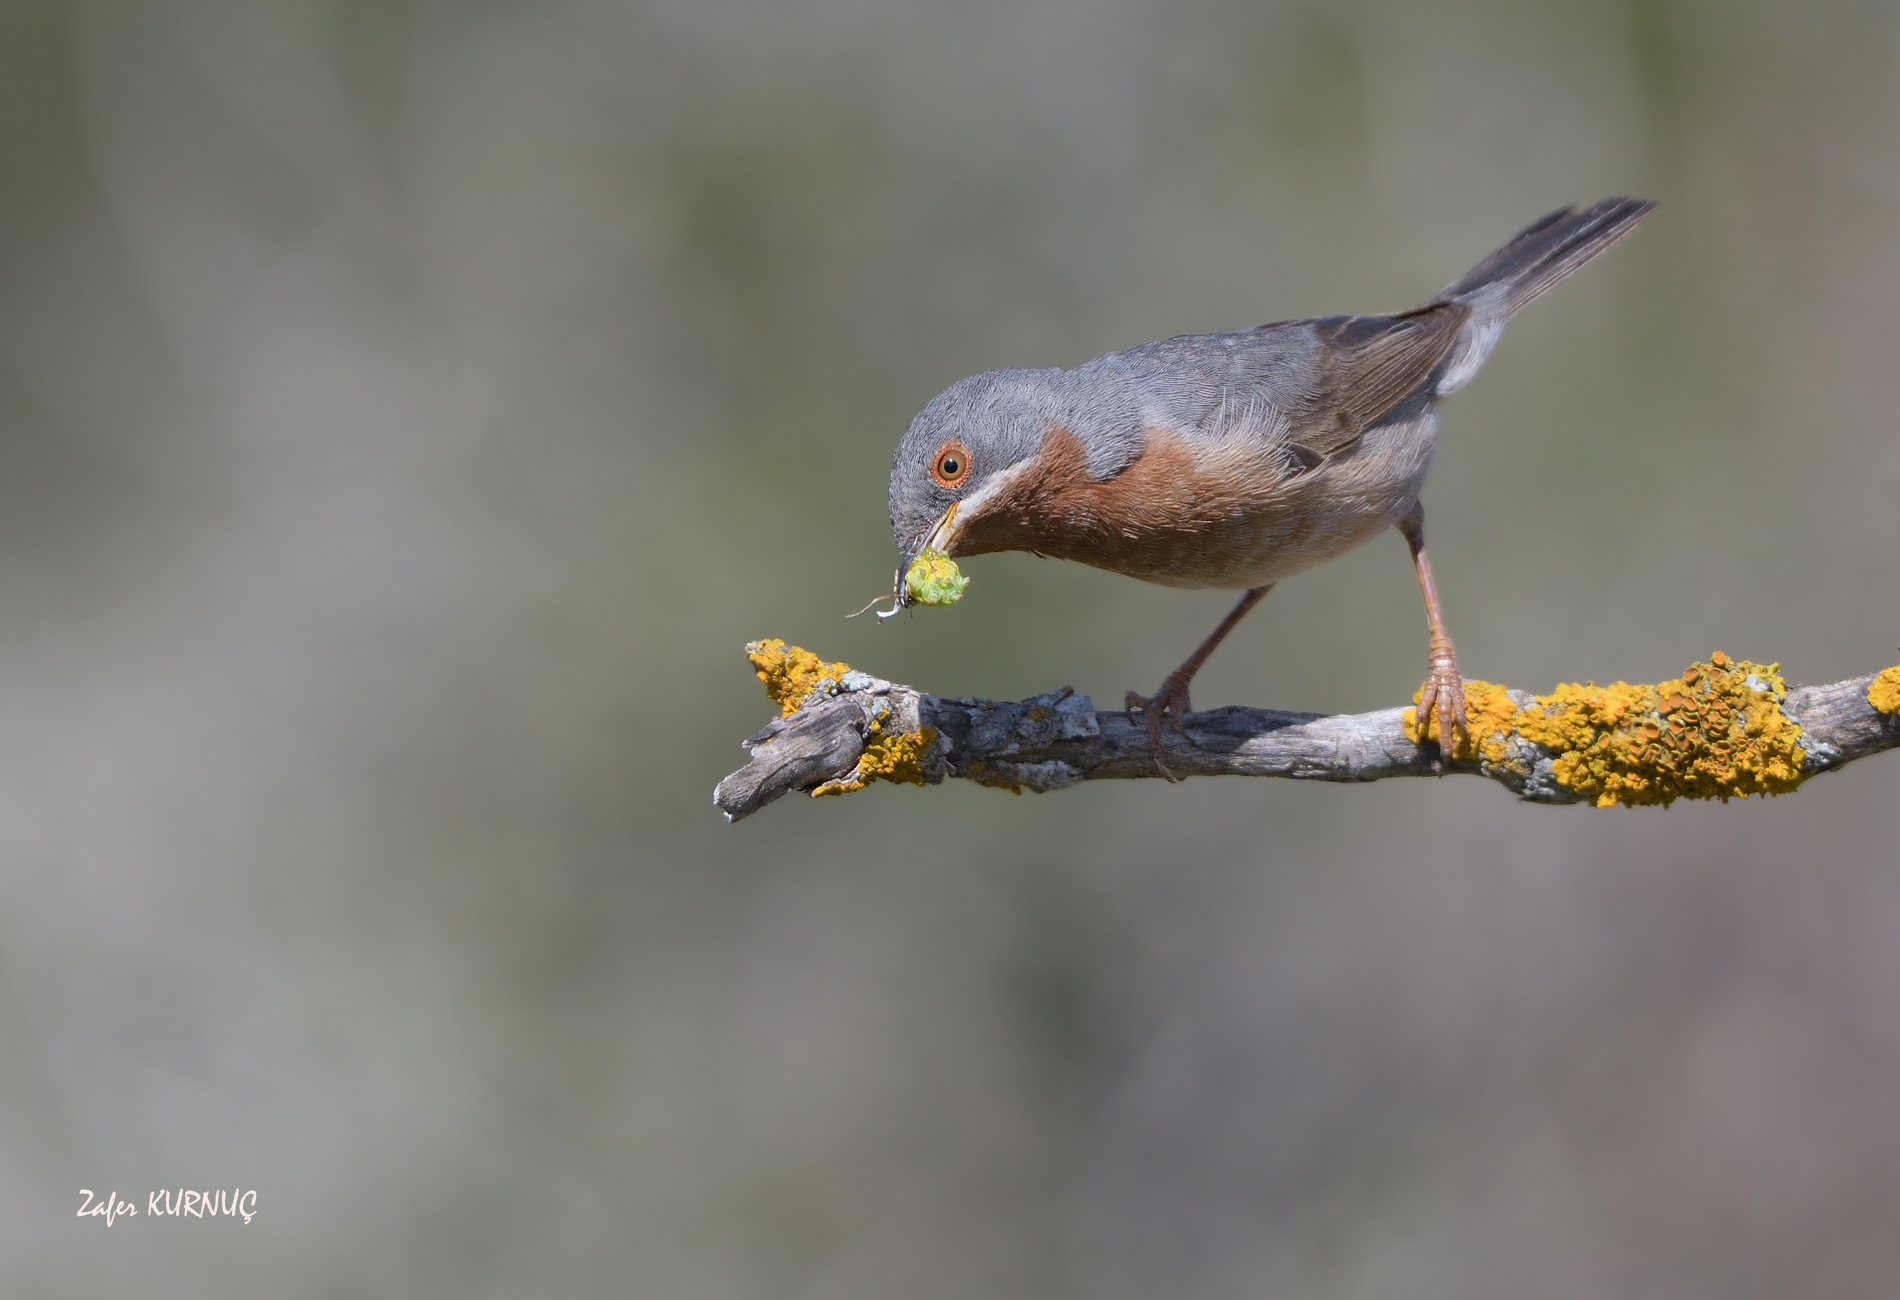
(1544, 252)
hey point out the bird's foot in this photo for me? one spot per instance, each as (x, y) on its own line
(1168, 705)
(1444, 692)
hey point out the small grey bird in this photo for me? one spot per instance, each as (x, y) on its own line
(1229, 460)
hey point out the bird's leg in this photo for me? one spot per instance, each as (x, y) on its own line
(1171, 701)
(1444, 688)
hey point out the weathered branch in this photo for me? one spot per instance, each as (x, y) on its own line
(1615, 744)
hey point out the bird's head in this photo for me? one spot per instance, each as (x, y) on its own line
(956, 454)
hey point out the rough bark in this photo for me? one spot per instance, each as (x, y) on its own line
(1058, 739)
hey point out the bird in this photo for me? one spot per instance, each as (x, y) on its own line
(1230, 460)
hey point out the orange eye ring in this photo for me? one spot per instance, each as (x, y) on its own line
(950, 466)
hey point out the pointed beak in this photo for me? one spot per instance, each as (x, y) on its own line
(941, 537)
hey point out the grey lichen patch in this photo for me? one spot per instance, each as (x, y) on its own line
(1052, 774)
(1002, 729)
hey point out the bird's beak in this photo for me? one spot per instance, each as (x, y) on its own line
(941, 537)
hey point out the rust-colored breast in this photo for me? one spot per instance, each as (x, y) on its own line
(1184, 513)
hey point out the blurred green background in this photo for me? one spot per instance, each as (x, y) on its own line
(408, 410)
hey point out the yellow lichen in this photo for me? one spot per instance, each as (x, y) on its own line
(1884, 691)
(1707, 735)
(790, 674)
(896, 757)
(1710, 735)
(1490, 714)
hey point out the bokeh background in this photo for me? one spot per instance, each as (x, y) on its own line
(409, 409)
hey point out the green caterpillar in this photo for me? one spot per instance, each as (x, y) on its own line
(933, 579)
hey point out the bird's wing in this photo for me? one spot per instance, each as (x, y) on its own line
(1306, 389)
(1363, 366)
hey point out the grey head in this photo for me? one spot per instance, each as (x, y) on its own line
(962, 445)
(973, 431)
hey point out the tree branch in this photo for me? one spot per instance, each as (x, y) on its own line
(1725, 730)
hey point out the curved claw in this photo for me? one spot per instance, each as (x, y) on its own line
(1167, 705)
(1444, 693)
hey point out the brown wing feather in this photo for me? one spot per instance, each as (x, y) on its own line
(1371, 363)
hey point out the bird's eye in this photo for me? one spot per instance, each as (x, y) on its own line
(951, 465)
